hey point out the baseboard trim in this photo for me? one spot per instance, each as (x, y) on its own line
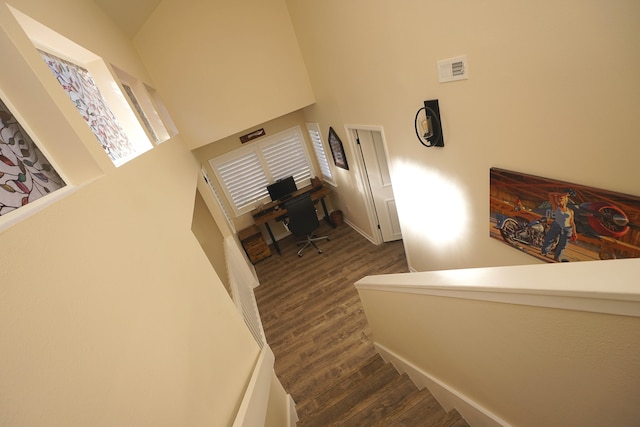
(254, 405)
(362, 233)
(292, 415)
(449, 398)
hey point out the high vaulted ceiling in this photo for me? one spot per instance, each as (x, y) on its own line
(130, 15)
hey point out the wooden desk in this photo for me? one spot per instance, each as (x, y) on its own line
(276, 210)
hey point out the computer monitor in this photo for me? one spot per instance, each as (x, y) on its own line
(282, 188)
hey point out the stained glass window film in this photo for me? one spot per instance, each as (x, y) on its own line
(85, 95)
(25, 173)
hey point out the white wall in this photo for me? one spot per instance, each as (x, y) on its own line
(110, 313)
(552, 91)
(224, 66)
(520, 346)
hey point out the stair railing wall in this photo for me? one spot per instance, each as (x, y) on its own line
(242, 279)
(260, 395)
(524, 346)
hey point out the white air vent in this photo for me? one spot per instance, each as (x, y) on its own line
(453, 69)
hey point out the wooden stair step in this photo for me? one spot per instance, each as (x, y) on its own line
(359, 395)
(381, 404)
(423, 407)
(327, 370)
(454, 419)
(343, 385)
(409, 405)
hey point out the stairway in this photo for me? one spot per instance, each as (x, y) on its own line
(376, 395)
(325, 355)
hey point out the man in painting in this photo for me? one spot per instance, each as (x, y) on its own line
(563, 225)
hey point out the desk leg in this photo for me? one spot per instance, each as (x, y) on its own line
(326, 213)
(273, 239)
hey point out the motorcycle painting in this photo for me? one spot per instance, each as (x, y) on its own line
(600, 224)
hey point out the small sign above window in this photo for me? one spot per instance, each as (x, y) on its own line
(253, 135)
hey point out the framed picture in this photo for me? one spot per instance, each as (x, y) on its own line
(337, 150)
(559, 221)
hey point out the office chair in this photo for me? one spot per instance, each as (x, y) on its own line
(303, 220)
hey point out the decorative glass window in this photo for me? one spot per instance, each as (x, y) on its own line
(167, 126)
(25, 173)
(245, 173)
(141, 113)
(90, 103)
(149, 107)
(321, 154)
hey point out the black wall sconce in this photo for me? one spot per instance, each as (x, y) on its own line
(428, 125)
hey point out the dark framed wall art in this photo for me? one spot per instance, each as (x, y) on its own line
(337, 150)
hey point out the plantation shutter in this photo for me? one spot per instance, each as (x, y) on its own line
(216, 193)
(288, 157)
(244, 173)
(318, 148)
(244, 180)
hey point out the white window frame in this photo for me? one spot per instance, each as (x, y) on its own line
(143, 103)
(244, 174)
(53, 43)
(320, 151)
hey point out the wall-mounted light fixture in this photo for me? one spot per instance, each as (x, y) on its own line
(428, 125)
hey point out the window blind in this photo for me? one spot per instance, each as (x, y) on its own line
(245, 173)
(288, 157)
(244, 180)
(216, 193)
(316, 141)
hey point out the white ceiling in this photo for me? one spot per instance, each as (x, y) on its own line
(130, 15)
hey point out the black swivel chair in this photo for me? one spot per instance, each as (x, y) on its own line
(303, 220)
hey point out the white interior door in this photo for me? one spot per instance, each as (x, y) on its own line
(377, 171)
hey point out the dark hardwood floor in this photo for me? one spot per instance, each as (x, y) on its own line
(315, 325)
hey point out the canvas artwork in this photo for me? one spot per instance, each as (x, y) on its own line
(559, 221)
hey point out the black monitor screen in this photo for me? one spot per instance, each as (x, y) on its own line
(282, 188)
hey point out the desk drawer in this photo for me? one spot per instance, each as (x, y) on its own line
(254, 244)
